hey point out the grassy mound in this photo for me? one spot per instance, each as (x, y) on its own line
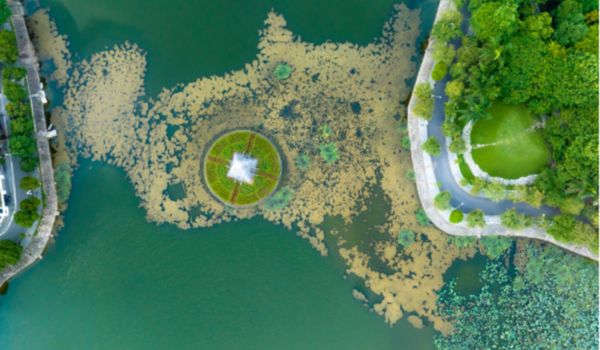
(509, 145)
(217, 161)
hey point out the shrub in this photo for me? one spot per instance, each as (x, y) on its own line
(439, 71)
(10, 253)
(280, 199)
(512, 219)
(422, 218)
(454, 88)
(406, 237)
(562, 228)
(329, 152)
(442, 200)
(476, 218)
(456, 216)
(432, 146)
(424, 103)
(458, 145)
(443, 53)
(406, 143)
(495, 246)
(29, 183)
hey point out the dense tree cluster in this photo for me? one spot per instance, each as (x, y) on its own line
(542, 55)
(10, 253)
(22, 141)
(550, 301)
(28, 212)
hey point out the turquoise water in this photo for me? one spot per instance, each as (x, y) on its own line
(114, 281)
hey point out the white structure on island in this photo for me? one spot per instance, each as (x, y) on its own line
(242, 168)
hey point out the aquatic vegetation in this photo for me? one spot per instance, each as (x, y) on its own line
(159, 142)
(406, 237)
(302, 161)
(282, 71)
(329, 152)
(551, 303)
(463, 241)
(62, 177)
(280, 199)
(495, 246)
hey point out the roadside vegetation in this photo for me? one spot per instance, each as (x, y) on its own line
(10, 253)
(540, 57)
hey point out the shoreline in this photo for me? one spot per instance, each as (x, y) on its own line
(426, 180)
(34, 251)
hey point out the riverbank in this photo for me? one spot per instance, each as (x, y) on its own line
(428, 184)
(27, 58)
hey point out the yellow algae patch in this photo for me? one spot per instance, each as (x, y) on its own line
(338, 94)
(50, 45)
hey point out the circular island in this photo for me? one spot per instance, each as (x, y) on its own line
(241, 168)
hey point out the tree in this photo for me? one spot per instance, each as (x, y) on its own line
(476, 218)
(406, 237)
(5, 12)
(562, 228)
(570, 21)
(8, 47)
(18, 109)
(432, 146)
(329, 152)
(439, 71)
(14, 73)
(456, 216)
(495, 191)
(23, 145)
(443, 52)
(30, 204)
(454, 89)
(442, 200)
(448, 26)
(424, 102)
(458, 145)
(494, 21)
(21, 126)
(29, 163)
(27, 213)
(29, 183)
(513, 220)
(10, 253)
(14, 92)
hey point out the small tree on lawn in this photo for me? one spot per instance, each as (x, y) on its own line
(406, 237)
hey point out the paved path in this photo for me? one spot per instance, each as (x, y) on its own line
(434, 174)
(27, 58)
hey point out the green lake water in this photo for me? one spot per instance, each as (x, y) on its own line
(114, 281)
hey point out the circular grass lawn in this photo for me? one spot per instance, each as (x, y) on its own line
(216, 165)
(508, 145)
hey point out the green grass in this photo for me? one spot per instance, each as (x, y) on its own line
(512, 148)
(221, 152)
(464, 169)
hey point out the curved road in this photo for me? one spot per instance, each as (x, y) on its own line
(443, 173)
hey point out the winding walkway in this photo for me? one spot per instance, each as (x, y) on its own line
(434, 174)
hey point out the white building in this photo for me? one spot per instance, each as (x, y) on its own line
(242, 168)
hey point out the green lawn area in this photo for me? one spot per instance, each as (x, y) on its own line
(512, 149)
(216, 166)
